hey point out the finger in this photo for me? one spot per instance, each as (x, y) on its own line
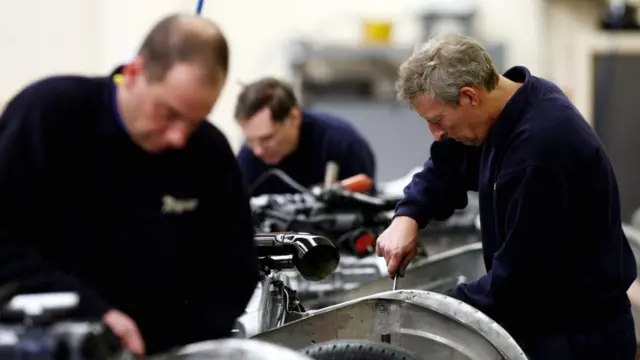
(406, 260)
(133, 342)
(387, 257)
(379, 251)
(393, 265)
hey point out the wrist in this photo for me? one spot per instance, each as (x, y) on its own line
(406, 222)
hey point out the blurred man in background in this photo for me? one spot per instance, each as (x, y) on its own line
(558, 262)
(280, 135)
(118, 189)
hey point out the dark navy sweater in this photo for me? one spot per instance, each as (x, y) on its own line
(553, 244)
(323, 138)
(85, 209)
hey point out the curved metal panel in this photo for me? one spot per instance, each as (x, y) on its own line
(429, 324)
(236, 349)
(437, 273)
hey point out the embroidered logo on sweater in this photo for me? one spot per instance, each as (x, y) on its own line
(171, 205)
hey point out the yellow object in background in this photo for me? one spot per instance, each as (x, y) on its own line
(117, 79)
(377, 32)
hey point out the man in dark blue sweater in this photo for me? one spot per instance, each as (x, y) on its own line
(114, 188)
(299, 143)
(558, 262)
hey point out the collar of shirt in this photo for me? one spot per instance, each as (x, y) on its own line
(116, 77)
(511, 115)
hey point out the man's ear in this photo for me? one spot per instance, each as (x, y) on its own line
(133, 70)
(296, 116)
(469, 96)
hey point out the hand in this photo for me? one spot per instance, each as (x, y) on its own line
(126, 329)
(398, 244)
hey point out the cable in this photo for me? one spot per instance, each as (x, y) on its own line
(283, 176)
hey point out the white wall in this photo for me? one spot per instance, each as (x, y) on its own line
(576, 39)
(99, 34)
(259, 30)
(124, 23)
(45, 37)
(32, 35)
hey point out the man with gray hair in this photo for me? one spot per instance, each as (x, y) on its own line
(558, 262)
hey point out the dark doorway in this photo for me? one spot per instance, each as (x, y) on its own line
(617, 121)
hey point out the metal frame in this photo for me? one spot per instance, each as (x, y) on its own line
(429, 324)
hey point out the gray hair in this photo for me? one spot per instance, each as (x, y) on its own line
(444, 65)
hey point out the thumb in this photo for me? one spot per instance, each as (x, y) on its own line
(378, 249)
(133, 342)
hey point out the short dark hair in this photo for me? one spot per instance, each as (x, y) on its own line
(269, 92)
(185, 38)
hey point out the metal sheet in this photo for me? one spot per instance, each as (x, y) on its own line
(431, 325)
(437, 273)
(236, 349)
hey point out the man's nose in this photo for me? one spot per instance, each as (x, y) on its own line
(177, 136)
(258, 150)
(437, 132)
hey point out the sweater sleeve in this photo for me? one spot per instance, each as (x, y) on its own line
(27, 128)
(357, 158)
(441, 186)
(248, 169)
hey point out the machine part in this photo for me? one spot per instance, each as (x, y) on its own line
(35, 305)
(431, 325)
(277, 299)
(437, 273)
(357, 350)
(351, 220)
(331, 174)
(36, 326)
(236, 349)
(315, 257)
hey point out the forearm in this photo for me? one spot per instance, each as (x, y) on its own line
(441, 186)
(429, 196)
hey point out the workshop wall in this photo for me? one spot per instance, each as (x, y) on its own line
(44, 37)
(259, 32)
(41, 37)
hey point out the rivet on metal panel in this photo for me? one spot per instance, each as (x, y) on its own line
(382, 308)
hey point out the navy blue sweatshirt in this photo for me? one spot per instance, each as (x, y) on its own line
(85, 209)
(553, 245)
(323, 138)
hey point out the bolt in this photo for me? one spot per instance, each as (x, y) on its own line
(385, 338)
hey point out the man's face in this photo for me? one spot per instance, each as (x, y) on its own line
(269, 140)
(162, 115)
(465, 123)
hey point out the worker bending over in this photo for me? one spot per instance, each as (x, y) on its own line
(280, 135)
(558, 261)
(114, 187)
